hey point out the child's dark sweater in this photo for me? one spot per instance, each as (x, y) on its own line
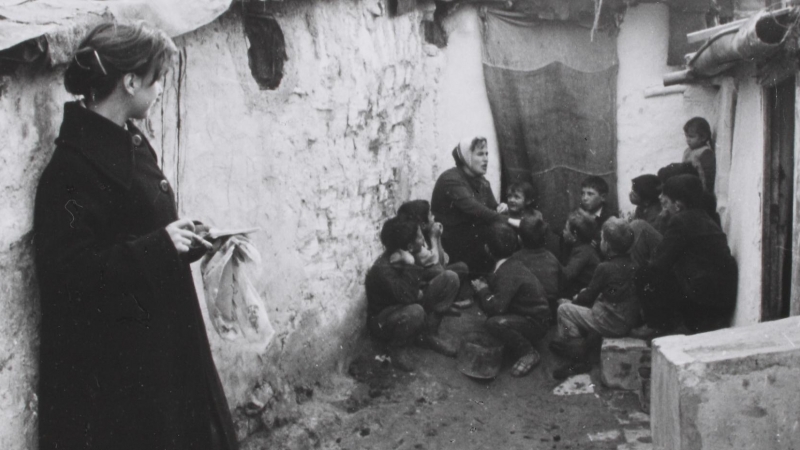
(390, 284)
(544, 266)
(579, 269)
(612, 286)
(513, 289)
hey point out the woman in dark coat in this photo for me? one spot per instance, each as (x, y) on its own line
(463, 202)
(693, 275)
(124, 359)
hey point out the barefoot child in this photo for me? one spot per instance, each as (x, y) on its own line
(514, 300)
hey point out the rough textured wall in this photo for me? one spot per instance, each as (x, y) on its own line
(744, 196)
(650, 129)
(318, 164)
(30, 107)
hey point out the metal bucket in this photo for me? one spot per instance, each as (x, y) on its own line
(480, 356)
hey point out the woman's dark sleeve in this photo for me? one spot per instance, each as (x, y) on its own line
(73, 248)
(461, 196)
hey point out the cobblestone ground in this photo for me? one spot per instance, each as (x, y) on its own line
(436, 407)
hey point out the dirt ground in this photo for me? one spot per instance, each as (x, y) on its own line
(437, 407)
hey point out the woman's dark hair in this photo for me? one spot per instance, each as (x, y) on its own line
(397, 233)
(416, 210)
(687, 189)
(112, 50)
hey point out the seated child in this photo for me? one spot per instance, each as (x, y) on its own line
(594, 191)
(432, 253)
(432, 256)
(535, 257)
(514, 300)
(583, 258)
(608, 307)
(700, 151)
(645, 190)
(400, 306)
(692, 276)
(520, 197)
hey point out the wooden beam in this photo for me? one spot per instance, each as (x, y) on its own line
(702, 35)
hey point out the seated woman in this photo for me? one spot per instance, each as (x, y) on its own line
(692, 276)
(465, 205)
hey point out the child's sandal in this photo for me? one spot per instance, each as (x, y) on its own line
(525, 364)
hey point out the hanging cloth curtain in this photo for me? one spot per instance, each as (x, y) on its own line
(552, 92)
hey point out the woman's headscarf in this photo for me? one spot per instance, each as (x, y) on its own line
(462, 154)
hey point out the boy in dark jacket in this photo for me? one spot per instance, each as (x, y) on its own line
(536, 258)
(608, 307)
(514, 300)
(594, 191)
(583, 257)
(400, 305)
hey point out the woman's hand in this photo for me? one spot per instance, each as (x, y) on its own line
(502, 208)
(182, 234)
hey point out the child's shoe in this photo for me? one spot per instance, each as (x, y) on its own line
(646, 332)
(437, 344)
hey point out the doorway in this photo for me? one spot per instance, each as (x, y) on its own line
(778, 200)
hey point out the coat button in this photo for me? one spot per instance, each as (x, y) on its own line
(137, 140)
(164, 185)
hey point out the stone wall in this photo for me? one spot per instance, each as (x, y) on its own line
(318, 164)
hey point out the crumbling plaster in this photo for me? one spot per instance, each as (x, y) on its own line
(318, 164)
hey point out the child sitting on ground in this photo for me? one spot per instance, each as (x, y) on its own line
(520, 197)
(400, 306)
(432, 256)
(608, 307)
(700, 151)
(535, 257)
(645, 190)
(514, 300)
(583, 258)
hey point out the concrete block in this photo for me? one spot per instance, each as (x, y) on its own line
(729, 389)
(620, 360)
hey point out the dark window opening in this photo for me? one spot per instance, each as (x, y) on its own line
(267, 48)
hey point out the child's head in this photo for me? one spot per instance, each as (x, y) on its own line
(593, 193)
(502, 240)
(533, 232)
(520, 195)
(580, 227)
(682, 192)
(617, 237)
(674, 169)
(416, 210)
(645, 189)
(401, 234)
(697, 132)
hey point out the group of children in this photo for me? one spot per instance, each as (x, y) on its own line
(614, 274)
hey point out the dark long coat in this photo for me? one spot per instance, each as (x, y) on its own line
(124, 360)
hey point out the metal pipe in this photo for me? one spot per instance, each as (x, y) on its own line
(759, 37)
